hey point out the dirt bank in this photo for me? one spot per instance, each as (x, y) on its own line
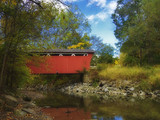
(21, 106)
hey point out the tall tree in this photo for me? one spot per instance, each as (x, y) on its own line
(123, 17)
(20, 24)
(140, 38)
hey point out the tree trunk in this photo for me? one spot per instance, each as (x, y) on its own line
(2, 71)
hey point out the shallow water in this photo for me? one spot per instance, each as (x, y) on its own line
(67, 107)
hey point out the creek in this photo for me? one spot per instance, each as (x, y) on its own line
(62, 106)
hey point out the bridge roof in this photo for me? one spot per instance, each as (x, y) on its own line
(63, 51)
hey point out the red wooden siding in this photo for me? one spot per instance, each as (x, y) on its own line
(60, 64)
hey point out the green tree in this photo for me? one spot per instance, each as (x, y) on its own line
(106, 54)
(103, 52)
(138, 33)
(123, 17)
(67, 29)
(20, 25)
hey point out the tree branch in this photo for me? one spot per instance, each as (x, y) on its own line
(62, 3)
(37, 3)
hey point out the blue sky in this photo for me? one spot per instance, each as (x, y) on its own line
(99, 13)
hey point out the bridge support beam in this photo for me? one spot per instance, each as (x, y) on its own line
(86, 78)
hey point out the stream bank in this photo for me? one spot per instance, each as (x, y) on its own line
(109, 90)
(21, 106)
(123, 89)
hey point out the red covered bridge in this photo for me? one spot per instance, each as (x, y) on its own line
(61, 61)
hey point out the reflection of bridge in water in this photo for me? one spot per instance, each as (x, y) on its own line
(68, 107)
(75, 114)
(67, 113)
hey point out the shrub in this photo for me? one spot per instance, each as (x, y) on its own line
(17, 73)
(94, 76)
(53, 80)
(101, 67)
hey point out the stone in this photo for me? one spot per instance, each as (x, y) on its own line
(154, 96)
(134, 95)
(62, 90)
(129, 93)
(126, 87)
(40, 87)
(156, 92)
(101, 84)
(20, 112)
(158, 95)
(110, 88)
(45, 88)
(120, 88)
(28, 105)
(131, 89)
(148, 94)
(28, 110)
(10, 100)
(142, 93)
(132, 100)
(26, 98)
(106, 90)
(47, 106)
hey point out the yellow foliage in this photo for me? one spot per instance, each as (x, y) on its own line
(116, 62)
(79, 45)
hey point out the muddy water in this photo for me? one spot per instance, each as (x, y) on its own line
(67, 107)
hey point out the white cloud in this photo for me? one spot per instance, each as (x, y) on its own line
(107, 10)
(112, 6)
(100, 3)
(101, 16)
(91, 17)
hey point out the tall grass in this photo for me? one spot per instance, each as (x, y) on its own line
(154, 78)
(147, 77)
(113, 72)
